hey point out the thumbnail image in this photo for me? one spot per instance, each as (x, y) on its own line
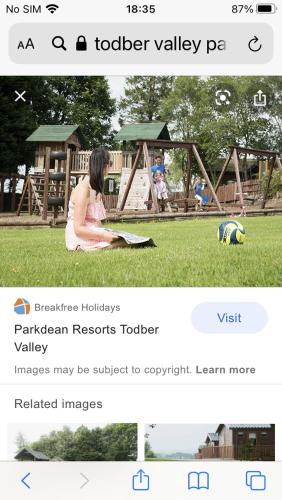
(249, 442)
(175, 174)
(95, 442)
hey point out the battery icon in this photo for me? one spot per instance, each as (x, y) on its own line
(266, 8)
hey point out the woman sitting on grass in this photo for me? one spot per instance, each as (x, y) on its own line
(86, 210)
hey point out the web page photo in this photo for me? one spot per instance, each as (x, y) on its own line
(181, 176)
(140, 250)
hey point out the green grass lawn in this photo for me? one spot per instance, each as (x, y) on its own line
(187, 254)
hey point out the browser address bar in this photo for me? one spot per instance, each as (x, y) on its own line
(134, 43)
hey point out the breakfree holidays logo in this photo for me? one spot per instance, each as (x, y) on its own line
(22, 306)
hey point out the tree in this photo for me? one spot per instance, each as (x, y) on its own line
(17, 121)
(193, 113)
(121, 442)
(148, 450)
(20, 442)
(184, 109)
(80, 100)
(115, 442)
(273, 89)
(143, 97)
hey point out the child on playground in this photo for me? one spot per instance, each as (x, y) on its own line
(161, 189)
(198, 192)
(84, 229)
(158, 167)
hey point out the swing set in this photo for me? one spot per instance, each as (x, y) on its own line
(192, 151)
(273, 158)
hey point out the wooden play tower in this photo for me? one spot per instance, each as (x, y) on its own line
(48, 189)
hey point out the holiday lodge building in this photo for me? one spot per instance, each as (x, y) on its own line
(239, 442)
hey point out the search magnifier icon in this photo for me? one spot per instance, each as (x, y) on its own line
(58, 42)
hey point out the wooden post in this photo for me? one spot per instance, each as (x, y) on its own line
(188, 177)
(13, 201)
(29, 198)
(2, 193)
(68, 179)
(224, 168)
(131, 177)
(270, 170)
(278, 162)
(203, 170)
(46, 184)
(26, 184)
(152, 185)
(238, 179)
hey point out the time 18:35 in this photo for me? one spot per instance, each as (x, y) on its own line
(141, 9)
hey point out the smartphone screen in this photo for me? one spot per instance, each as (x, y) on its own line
(141, 243)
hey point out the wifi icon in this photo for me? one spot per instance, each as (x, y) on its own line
(52, 7)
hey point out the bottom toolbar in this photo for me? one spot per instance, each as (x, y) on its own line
(127, 480)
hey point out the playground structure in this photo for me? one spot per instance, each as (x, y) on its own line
(50, 190)
(191, 149)
(49, 186)
(272, 158)
(60, 162)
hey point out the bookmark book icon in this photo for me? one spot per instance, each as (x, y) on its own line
(198, 480)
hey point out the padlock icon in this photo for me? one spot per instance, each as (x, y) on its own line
(81, 43)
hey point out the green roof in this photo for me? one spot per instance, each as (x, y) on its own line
(25, 452)
(53, 133)
(143, 131)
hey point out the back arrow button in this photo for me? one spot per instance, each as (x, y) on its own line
(23, 480)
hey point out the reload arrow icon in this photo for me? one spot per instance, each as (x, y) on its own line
(23, 480)
(253, 44)
(86, 480)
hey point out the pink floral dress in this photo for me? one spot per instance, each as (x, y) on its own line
(94, 214)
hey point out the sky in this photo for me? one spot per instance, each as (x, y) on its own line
(117, 84)
(173, 438)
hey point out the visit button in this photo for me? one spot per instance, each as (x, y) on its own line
(229, 317)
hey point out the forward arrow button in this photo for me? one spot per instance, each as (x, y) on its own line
(85, 480)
